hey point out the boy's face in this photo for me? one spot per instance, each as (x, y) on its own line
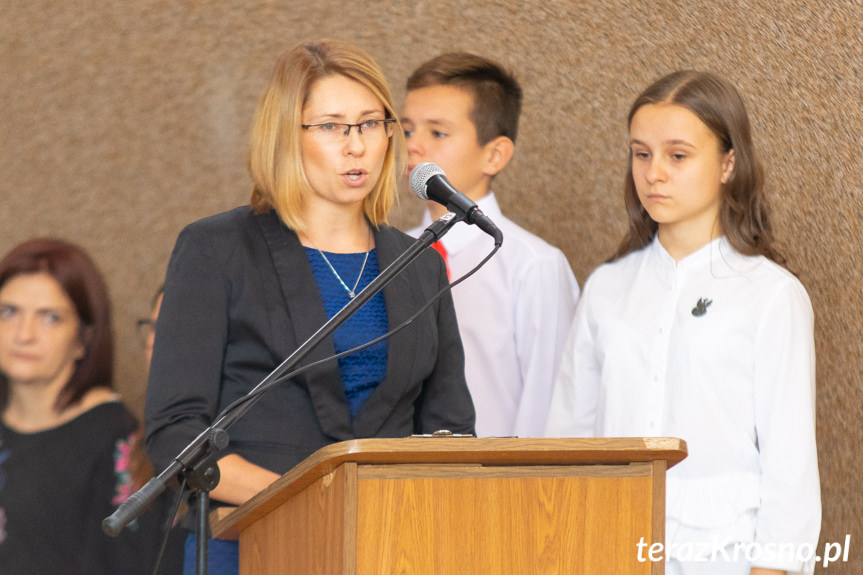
(439, 129)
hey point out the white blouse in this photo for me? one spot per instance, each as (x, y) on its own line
(717, 349)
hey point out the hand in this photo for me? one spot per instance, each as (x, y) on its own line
(240, 480)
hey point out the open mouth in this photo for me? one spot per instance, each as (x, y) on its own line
(354, 174)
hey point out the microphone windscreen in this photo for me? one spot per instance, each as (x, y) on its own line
(420, 176)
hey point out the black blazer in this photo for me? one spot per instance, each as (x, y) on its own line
(240, 297)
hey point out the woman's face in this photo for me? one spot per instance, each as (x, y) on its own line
(678, 167)
(39, 332)
(342, 170)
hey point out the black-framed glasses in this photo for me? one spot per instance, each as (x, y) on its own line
(144, 328)
(337, 131)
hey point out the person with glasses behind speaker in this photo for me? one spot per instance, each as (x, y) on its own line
(245, 288)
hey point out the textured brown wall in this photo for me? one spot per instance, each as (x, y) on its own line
(123, 121)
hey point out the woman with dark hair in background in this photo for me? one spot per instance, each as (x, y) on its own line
(64, 435)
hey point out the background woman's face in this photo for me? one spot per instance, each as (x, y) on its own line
(39, 331)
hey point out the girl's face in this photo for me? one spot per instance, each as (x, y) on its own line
(39, 331)
(679, 168)
(342, 170)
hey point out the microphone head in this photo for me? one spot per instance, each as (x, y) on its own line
(420, 176)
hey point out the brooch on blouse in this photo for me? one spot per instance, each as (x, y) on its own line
(701, 307)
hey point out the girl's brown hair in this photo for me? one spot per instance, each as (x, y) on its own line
(743, 213)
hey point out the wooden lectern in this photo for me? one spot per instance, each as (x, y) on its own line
(451, 505)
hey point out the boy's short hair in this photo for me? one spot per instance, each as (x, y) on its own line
(496, 93)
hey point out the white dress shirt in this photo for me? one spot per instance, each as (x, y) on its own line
(737, 382)
(513, 316)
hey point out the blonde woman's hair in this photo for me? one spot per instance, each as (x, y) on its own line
(275, 149)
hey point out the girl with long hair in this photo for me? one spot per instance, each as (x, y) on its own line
(693, 329)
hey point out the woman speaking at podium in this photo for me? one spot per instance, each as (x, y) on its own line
(246, 287)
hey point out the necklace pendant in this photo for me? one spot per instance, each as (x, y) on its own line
(351, 292)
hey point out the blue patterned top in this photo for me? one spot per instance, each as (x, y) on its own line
(362, 371)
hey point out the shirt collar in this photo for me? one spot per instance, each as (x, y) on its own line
(716, 249)
(462, 235)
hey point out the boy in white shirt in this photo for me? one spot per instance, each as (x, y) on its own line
(461, 113)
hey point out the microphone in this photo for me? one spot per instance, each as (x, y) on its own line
(428, 181)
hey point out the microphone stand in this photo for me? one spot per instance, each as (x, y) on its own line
(198, 460)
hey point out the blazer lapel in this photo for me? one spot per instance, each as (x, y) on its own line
(401, 302)
(306, 315)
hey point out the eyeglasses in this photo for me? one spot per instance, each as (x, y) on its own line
(337, 132)
(145, 328)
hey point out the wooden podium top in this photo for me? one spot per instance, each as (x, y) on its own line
(227, 522)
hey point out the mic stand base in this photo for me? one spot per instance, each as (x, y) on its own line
(201, 479)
